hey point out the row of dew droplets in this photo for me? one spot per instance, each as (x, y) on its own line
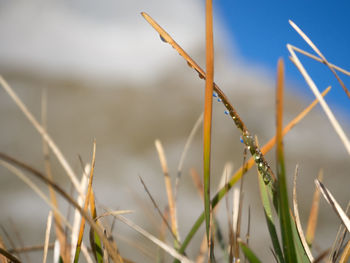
(246, 138)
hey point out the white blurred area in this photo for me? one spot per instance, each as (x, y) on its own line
(109, 76)
(99, 40)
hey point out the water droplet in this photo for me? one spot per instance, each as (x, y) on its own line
(248, 147)
(226, 112)
(261, 164)
(257, 157)
(234, 117)
(163, 39)
(214, 94)
(241, 139)
(219, 100)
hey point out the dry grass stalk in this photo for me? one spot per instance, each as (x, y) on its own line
(297, 218)
(324, 60)
(313, 217)
(44, 134)
(47, 236)
(339, 130)
(168, 187)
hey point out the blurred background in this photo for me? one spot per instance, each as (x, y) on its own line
(108, 76)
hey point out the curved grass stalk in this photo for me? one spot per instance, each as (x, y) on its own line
(248, 139)
(324, 60)
(337, 127)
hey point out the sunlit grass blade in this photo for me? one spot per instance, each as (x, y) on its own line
(320, 60)
(324, 60)
(169, 191)
(95, 240)
(43, 133)
(207, 123)
(302, 242)
(282, 191)
(235, 178)
(2, 245)
(346, 253)
(313, 217)
(264, 196)
(86, 206)
(252, 258)
(47, 236)
(334, 204)
(339, 130)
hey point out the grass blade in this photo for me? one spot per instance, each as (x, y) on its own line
(43, 133)
(270, 220)
(8, 159)
(65, 250)
(8, 255)
(155, 240)
(169, 191)
(304, 244)
(47, 236)
(313, 217)
(320, 60)
(324, 60)
(95, 240)
(282, 194)
(334, 204)
(323, 103)
(207, 123)
(249, 253)
(346, 254)
(86, 204)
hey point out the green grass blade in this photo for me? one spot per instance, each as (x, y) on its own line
(252, 258)
(208, 104)
(269, 219)
(282, 193)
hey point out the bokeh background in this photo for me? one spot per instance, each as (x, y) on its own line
(108, 76)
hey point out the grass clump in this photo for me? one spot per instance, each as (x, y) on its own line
(289, 244)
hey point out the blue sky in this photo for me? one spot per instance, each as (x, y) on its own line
(260, 30)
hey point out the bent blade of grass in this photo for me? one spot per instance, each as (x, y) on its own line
(320, 60)
(297, 219)
(43, 133)
(247, 138)
(266, 148)
(67, 197)
(169, 190)
(313, 217)
(313, 46)
(165, 221)
(9, 256)
(323, 103)
(86, 204)
(35, 188)
(282, 194)
(2, 245)
(334, 204)
(155, 240)
(47, 236)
